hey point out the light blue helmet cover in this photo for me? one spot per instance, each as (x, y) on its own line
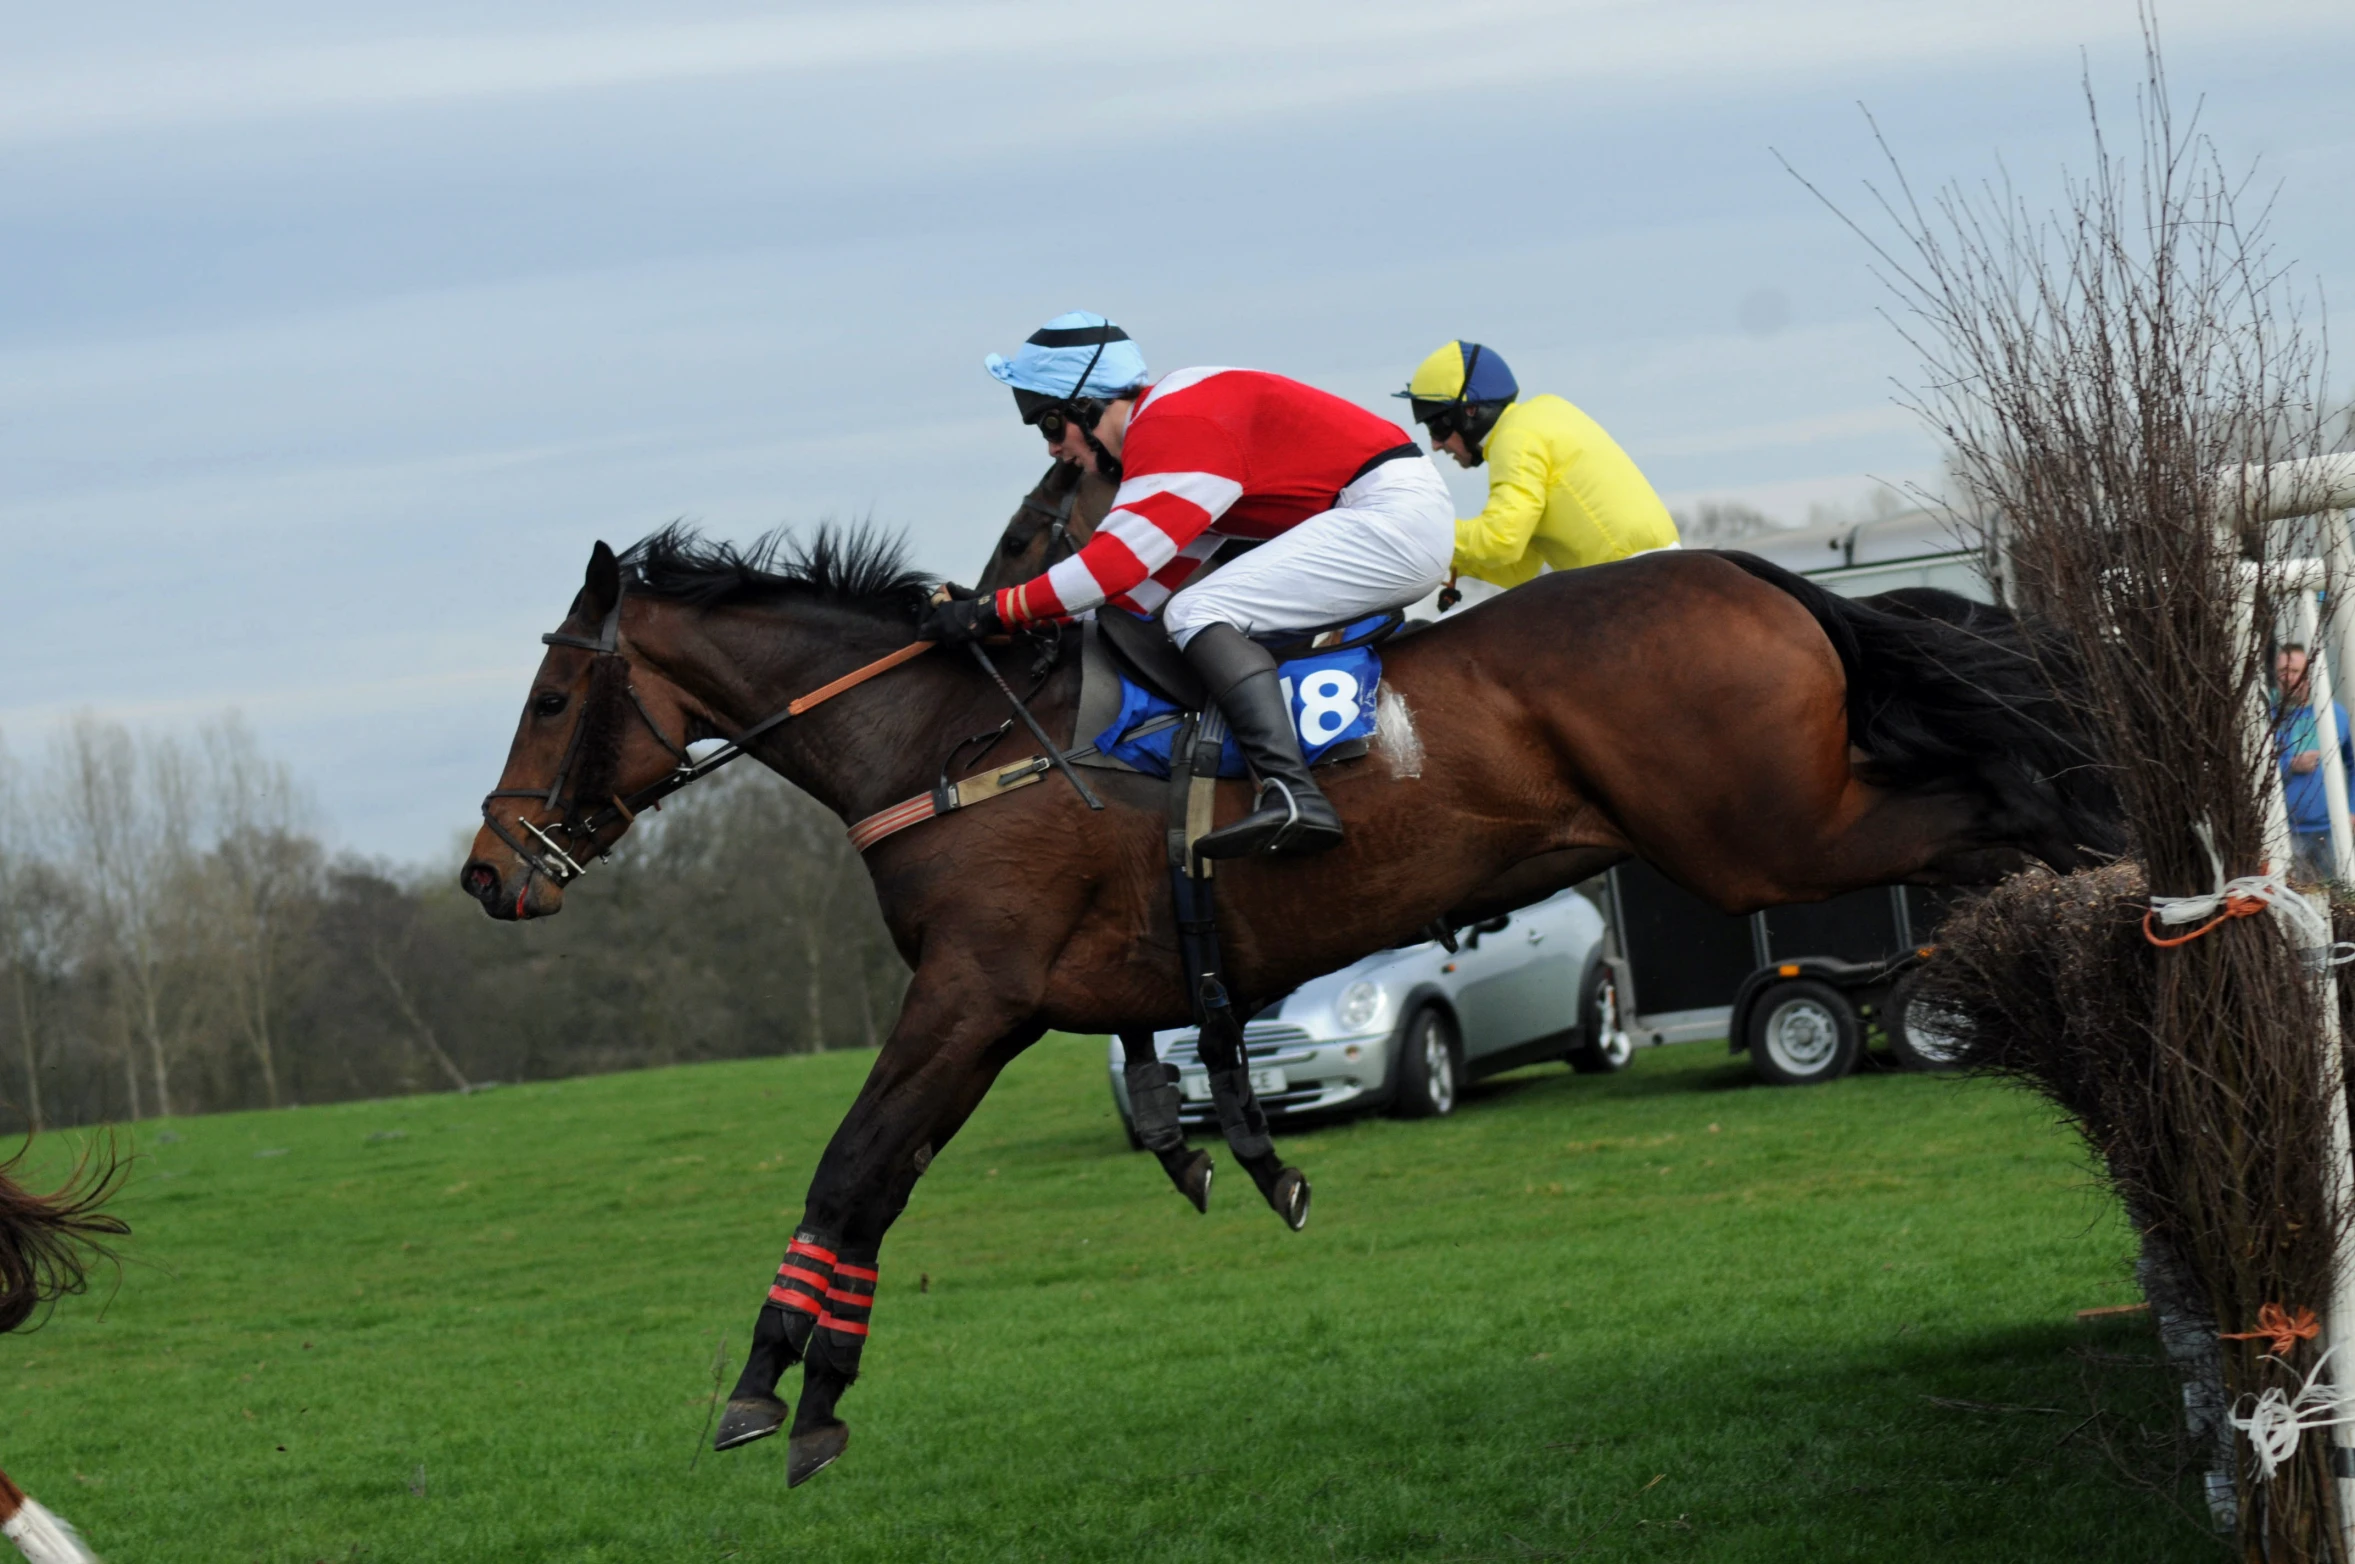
(1052, 362)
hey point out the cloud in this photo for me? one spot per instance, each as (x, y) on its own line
(1077, 65)
(335, 334)
(424, 693)
(1855, 423)
(1791, 501)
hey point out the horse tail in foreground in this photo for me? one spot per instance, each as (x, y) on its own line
(46, 1240)
(1947, 693)
(41, 1537)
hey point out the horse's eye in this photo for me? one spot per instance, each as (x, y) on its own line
(548, 704)
(1010, 544)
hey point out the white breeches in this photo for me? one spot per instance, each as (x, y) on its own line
(1386, 543)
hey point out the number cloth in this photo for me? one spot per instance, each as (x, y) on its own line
(1330, 694)
(1212, 454)
(1561, 493)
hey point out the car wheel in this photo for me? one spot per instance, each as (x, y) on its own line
(1604, 1046)
(1802, 1033)
(1428, 1067)
(1918, 1035)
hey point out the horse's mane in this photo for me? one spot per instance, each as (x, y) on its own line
(860, 566)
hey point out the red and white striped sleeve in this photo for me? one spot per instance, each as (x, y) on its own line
(1180, 477)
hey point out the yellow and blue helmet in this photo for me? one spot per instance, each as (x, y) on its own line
(1458, 377)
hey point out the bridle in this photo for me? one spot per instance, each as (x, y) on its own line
(560, 863)
(1057, 526)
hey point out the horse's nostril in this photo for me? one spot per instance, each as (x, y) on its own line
(479, 880)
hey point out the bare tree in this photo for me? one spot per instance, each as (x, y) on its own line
(37, 917)
(125, 815)
(171, 941)
(262, 876)
(2108, 375)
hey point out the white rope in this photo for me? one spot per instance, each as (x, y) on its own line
(2312, 929)
(2275, 1423)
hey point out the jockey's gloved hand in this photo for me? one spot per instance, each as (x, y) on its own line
(961, 621)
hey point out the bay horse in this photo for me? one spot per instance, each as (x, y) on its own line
(1058, 515)
(1754, 737)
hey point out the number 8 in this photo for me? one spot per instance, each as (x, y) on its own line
(1328, 705)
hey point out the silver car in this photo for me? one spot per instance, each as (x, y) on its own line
(1405, 1029)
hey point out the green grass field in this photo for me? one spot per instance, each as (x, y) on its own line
(1669, 1315)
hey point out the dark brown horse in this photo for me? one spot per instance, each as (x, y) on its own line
(1053, 520)
(1757, 739)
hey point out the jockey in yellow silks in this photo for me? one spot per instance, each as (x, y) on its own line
(1561, 492)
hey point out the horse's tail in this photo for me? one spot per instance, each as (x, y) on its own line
(40, 1536)
(47, 1241)
(1949, 694)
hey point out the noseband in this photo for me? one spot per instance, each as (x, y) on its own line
(560, 863)
(551, 856)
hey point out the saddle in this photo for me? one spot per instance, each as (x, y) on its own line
(1136, 686)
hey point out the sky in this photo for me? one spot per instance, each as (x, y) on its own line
(331, 338)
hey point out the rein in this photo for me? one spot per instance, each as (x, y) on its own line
(551, 857)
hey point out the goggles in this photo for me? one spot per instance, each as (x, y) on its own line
(1443, 419)
(1053, 416)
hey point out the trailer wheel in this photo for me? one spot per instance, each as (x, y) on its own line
(1918, 1036)
(1603, 1044)
(1803, 1032)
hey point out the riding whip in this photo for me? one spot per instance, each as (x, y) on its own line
(1053, 749)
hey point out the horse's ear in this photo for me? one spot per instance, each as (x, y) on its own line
(602, 584)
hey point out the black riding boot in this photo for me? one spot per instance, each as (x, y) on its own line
(1293, 816)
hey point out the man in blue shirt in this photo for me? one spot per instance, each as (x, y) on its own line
(2297, 742)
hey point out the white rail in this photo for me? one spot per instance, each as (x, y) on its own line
(2284, 490)
(2322, 486)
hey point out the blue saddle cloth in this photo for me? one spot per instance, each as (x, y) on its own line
(1331, 694)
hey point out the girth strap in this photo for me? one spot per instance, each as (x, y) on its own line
(977, 789)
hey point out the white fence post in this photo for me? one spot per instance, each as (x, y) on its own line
(2283, 491)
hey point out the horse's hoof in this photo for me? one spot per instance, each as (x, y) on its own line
(748, 1418)
(810, 1453)
(1290, 1198)
(1195, 1185)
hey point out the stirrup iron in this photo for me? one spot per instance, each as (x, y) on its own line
(1291, 823)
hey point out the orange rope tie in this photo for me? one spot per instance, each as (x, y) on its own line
(2275, 1323)
(2234, 907)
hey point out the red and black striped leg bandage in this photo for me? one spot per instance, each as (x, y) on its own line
(850, 1301)
(803, 1280)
